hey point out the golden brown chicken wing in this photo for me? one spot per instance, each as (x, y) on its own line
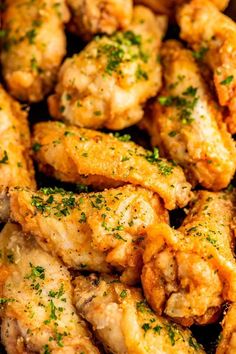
(76, 155)
(16, 167)
(124, 323)
(90, 17)
(34, 44)
(187, 124)
(227, 339)
(190, 272)
(213, 36)
(107, 83)
(94, 231)
(168, 7)
(38, 315)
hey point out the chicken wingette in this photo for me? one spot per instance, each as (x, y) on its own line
(94, 231)
(227, 339)
(91, 17)
(213, 37)
(34, 45)
(36, 295)
(168, 7)
(16, 168)
(86, 156)
(190, 272)
(186, 123)
(107, 83)
(124, 323)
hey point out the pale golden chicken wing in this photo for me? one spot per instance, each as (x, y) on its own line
(187, 124)
(107, 83)
(90, 17)
(190, 272)
(213, 36)
(38, 315)
(94, 231)
(124, 323)
(16, 167)
(74, 155)
(34, 45)
(168, 7)
(227, 339)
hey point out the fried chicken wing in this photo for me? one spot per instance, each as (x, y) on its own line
(227, 340)
(74, 155)
(107, 83)
(124, 323)
(168, 7)
(96, 16)
(188, 125)
(94, 231)
(190, 272)
(33, 46)
(211, 32)
(38, 315)
(16, 167)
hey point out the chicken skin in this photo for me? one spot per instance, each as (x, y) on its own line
(187, 124)
(34, 45)
(86, 156)
(213, 36)
(94, 231)
(16, 167)
(124, 323)
(107, 83)
(190, 272)
(90, 17)
(38, 315)
(168, 7)
(227, 339)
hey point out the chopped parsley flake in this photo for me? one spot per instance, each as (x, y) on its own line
(141, 74)
(36, 147)
(4, 301)
(185, 104)
(125, 137)
(172, 133)
(123, 294)
(4, 159)
(146, 327)
(228, 80)
(199, 55)
(36, 272)
(171, 333)
(142, 306)
(193, 343)
(153, 156)
(123, 47)
(30, 35)
(83, 218)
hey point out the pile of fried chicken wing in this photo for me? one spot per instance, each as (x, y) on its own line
(108, 266)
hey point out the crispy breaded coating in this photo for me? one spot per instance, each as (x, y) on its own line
(15, 163)
(187, 124)
(34, 45)
(123, 321)
(75, 155)
(16, 167)
(212, 33)
(168, 7)
(108, 82)
(227, 339)
(190, 272)
(94, 231)
(90, 17)
(38, 314)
